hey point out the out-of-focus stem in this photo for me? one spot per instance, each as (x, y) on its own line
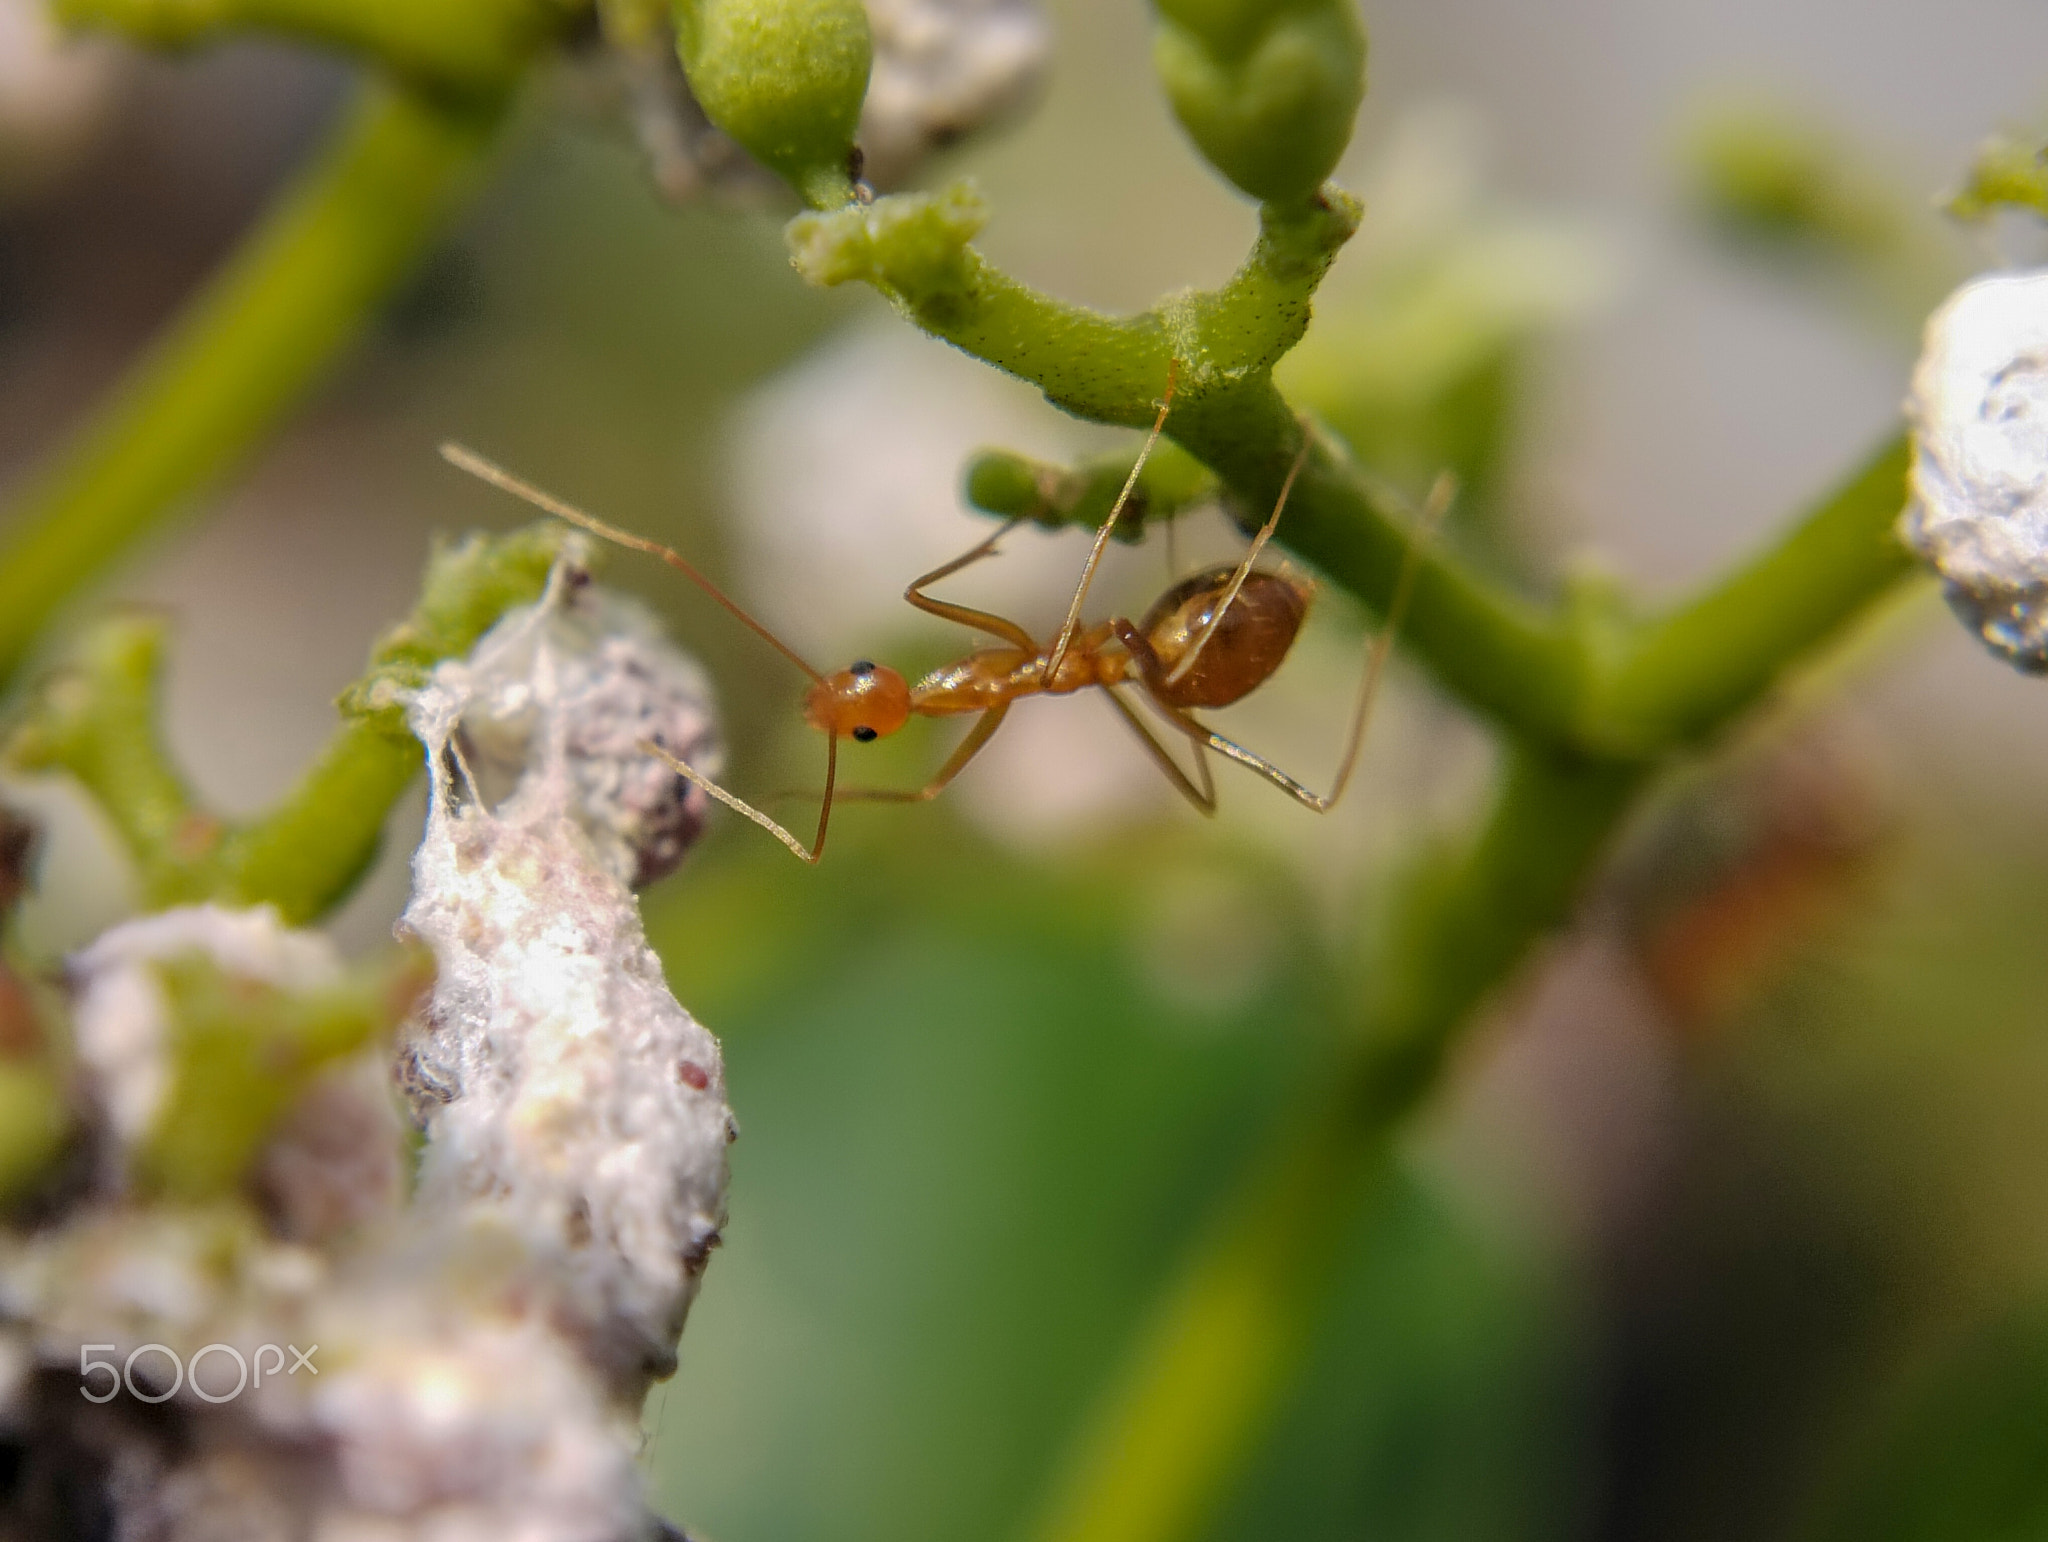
(1683, 675)
(246, 349)
(1209, 1368)
(468, 47)
(96, 719)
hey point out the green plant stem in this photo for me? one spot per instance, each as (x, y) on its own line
(1497, 652)
(97, 719)
(1633, 692)
(1211, 1366)
(306, 854)
(1231, 1324)
(1209, 1369)
(1682, 676)
(465, 47)
(240, 1051)
(246, 349)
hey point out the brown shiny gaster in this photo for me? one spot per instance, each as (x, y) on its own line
(1246, 647)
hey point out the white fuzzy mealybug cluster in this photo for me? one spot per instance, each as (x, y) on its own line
(563, 1090)
(1979, 508)
(303, 1353)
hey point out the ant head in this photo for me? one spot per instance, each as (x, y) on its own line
(864, 702)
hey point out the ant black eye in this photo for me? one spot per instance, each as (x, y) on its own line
(862, 668)
(865, 734)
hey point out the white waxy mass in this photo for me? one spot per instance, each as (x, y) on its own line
(1979, 508)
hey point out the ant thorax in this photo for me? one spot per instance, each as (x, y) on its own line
(992, 676)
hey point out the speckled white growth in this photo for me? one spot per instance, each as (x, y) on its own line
(565, 1090)
(1979, 509)
(432, 1405)
(119, 1023)
(477, 1359)
(469, 1426)
(944, 68)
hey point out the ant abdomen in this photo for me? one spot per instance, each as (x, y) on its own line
(1257, 629)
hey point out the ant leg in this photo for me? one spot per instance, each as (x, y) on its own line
(1368, 690)
(1244, 568)
(978, 620)
(983, 730)
(1203, 797)
(741, 806)
(1073, 621)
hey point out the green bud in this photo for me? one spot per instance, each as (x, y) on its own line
(2005, 174)
(1006, 484)
(784, 78)
(1774, 178)
(1266, 88)
(1012, 486)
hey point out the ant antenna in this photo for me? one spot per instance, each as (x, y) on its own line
(1073, 622)
(740, 806)
(1442, 494)
(1244, 568)
(466, 459)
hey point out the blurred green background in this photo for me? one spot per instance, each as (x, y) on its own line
(1728, 1224)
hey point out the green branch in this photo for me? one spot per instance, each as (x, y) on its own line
(245, 350)
(1204, 1381)
(307, 853)
(1209, 1370)
(97, 720)
(1683, 676)
(914, 247)
(241, 1051)
(1583, 683)
(1231, 1325)
(1494, 650)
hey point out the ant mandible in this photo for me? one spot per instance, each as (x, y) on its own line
(1208, 641)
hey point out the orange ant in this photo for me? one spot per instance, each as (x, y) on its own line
(1208, 641)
